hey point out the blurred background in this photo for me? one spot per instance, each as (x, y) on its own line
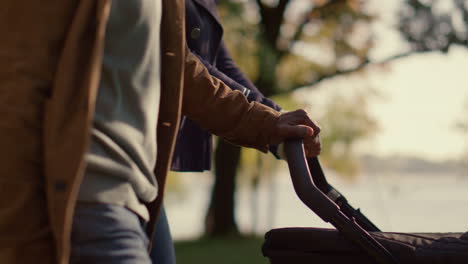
(387, 82)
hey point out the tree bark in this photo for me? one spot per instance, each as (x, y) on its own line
(220, 217)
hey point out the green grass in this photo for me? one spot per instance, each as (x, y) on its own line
(237, 250)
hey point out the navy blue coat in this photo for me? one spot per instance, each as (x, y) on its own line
(204, 38)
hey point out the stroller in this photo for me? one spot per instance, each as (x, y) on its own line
(356, 239)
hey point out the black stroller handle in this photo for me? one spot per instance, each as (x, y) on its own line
(326, 208)
(318, 177)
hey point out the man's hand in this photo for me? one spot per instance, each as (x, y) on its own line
(297, 124)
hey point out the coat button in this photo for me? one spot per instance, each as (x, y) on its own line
(195, 34)
(60, 186)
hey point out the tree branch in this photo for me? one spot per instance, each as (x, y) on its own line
(260, 4)
(282, 4)
(300, 29)
(359, 67)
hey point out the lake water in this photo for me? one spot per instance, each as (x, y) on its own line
(394, 202)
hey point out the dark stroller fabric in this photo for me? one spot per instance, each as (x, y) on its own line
(319, 245)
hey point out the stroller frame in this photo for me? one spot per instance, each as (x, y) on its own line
(330, 205)
(356, 239)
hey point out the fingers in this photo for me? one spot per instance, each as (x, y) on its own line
(295, 124)
(312, 146)
(309, 122)
(297, 131)
(301, 116)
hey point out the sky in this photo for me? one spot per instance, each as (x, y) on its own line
(424, 98)
(421, 96)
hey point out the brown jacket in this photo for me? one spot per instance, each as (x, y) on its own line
(50, 57)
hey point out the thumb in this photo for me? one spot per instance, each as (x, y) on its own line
(297, 131)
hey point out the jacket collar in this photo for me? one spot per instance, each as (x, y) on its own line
(210, 6)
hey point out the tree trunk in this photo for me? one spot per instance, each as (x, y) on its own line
(220, 218)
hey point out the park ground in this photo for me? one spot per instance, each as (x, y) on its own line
(235, 250)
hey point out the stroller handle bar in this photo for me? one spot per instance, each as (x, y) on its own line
(327, 209)
(320, 182)
(304, 185)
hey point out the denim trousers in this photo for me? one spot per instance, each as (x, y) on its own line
(162, 247)
(108, 234)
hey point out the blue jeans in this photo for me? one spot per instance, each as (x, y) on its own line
(162, 249)
(108, 234)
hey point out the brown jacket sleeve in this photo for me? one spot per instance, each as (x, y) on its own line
(222, 111)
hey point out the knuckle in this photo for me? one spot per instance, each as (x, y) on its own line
(301, 111)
